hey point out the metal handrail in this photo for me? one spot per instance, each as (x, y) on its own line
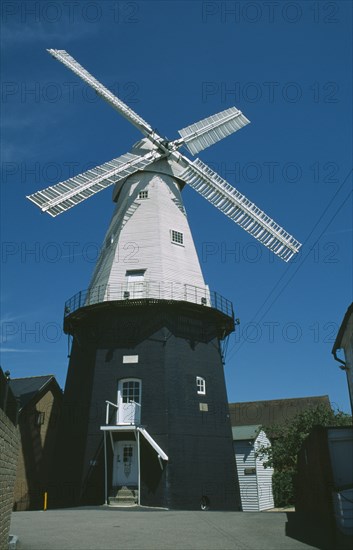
(109, 403)
(107, 411)
(149, 290)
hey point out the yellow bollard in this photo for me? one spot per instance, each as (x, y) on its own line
(45, 501)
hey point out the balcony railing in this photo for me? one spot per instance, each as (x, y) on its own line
(149, 290)
(126, 413)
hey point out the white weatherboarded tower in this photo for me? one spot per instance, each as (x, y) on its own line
(145, 407)
(137, 255)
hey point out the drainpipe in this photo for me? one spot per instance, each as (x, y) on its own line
(343, 365)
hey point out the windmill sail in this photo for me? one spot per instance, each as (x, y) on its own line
(64, 195)
(240, 209)
(208, 131)
(101, 90)
(196, 137)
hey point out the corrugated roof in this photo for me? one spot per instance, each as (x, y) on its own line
(241, 433)
(26, 388)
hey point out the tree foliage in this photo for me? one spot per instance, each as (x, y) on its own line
(286, 441)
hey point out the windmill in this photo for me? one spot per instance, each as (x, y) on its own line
(146, 334)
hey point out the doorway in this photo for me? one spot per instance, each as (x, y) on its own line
(125, 467)
(135, 279)
(129, 401)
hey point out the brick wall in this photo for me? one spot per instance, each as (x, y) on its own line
(9, 443)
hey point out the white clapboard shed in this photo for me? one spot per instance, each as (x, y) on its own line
(255, 481)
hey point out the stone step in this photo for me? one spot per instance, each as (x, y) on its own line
(123, 490)
(123, 496)
(122, 501)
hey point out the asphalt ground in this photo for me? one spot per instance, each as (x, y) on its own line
(144, 528)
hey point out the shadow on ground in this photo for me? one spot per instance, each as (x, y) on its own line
(316, 534)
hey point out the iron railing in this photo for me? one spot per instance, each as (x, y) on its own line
(126, 413)
(149, 290)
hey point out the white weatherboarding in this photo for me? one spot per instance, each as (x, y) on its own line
(156, 170)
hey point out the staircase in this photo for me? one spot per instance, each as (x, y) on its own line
(123, 496)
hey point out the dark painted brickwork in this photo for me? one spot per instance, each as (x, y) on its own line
(174, 346)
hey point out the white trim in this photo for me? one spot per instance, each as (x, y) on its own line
(130, 358)
(144, 432)
(105, 470)
(139, 467)
(136, 410)
(119, 428)
(200, 385)
(154, 444)
(177, 237)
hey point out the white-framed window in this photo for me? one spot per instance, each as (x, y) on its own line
(129, 401)
(135, 274)
(143, 195)
(200, 385)
(177, 237)
(130, 390)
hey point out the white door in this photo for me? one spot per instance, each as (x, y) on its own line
(129, 401)
(125, 470)
(135, 283)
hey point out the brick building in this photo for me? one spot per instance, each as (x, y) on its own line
(40, 403)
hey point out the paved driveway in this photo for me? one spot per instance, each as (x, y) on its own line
(140, 528)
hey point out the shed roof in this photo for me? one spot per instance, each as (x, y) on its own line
(26, 388)
(241, 433)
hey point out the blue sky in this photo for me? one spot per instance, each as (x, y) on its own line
(288, 67)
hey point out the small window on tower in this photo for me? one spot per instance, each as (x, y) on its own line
(177, 237)
(200, 385)
(143, 195)
(135, 274)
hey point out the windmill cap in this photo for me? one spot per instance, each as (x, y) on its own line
(164, 166)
